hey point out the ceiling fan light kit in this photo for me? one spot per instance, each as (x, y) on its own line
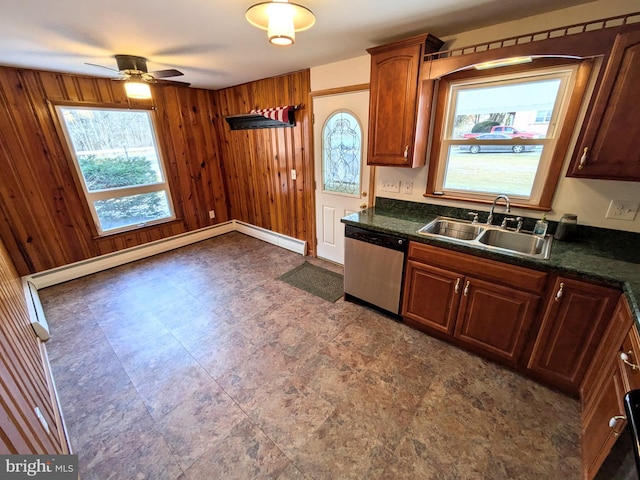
(137, 89)
(281, 19)
(133, 71)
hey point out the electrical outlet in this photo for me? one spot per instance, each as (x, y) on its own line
(622, 210)
(390, 186)
(212, 214)
(407, 187)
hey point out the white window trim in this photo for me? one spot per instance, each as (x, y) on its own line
(567, 74)
(119, 192)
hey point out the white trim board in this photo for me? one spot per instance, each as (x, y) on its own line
(75, 270)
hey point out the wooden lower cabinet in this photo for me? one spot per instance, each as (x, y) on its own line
(607, 381)
(630, 363)
(597, 436)
(472, 305)
(495, 319)
(431, 297)
(575, 319)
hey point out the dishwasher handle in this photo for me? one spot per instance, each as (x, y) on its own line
(376, 238)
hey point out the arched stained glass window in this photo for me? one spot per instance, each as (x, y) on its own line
(341, 154)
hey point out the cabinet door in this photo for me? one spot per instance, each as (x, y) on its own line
(431, 297)
(392, 108)
(613, 338)
(597, 436)
(495, 319)
(575, 319)
(608, 147)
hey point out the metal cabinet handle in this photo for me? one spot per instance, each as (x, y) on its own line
(613, 421)
(457, 287)
(560, 292)
(406, 152)
(466, 289)
(625, 357)
(583, 158)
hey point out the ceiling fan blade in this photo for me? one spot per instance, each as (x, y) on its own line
(172, 72)
(102, 66)
(172, 82)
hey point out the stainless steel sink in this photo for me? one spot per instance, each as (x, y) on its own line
(524, 243)
(488, 237)
(452, 228)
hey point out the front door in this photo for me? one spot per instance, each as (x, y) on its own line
(341, 172)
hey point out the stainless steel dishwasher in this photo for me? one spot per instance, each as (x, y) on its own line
(373, 265)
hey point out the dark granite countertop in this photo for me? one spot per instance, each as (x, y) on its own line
(610, 257)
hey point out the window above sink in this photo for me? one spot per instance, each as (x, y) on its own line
(501, 131)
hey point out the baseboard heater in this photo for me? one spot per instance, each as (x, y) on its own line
(97, 264)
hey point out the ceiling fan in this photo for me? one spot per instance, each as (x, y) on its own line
(133, 70)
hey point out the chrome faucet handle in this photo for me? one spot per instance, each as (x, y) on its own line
(474, 215)
(519, 226)
(503, 225)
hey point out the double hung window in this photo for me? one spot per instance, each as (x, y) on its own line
(499, 133)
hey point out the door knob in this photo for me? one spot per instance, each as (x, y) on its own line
(363, 206)
(364, 194)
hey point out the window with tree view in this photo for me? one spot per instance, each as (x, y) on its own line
(500, 132)
(118, 161)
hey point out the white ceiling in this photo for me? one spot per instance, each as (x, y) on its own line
(212, 43)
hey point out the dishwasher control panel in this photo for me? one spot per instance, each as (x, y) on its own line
(376, 238)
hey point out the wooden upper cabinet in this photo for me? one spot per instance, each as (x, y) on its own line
(608, 146)
(575, 319)
(393, 104)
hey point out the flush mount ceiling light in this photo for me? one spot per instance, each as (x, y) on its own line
(137, 88)
(281, 19)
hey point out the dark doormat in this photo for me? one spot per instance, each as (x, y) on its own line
(316, 280)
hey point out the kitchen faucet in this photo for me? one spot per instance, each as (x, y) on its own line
(490, 219)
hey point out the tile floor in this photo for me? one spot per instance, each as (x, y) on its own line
(199, 364)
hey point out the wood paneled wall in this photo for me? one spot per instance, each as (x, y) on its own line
(24, 375)
(258, 163)
(44, 220)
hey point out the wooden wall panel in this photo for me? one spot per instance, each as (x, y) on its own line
(44, 220)
(24, 375)
(258, 163)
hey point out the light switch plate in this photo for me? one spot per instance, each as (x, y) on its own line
(622, 210)
(407, 187)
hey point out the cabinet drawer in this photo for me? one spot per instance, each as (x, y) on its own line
(631, 368)
(504, 273)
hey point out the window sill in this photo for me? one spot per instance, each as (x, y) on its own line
(454, 198)
(136, 228)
